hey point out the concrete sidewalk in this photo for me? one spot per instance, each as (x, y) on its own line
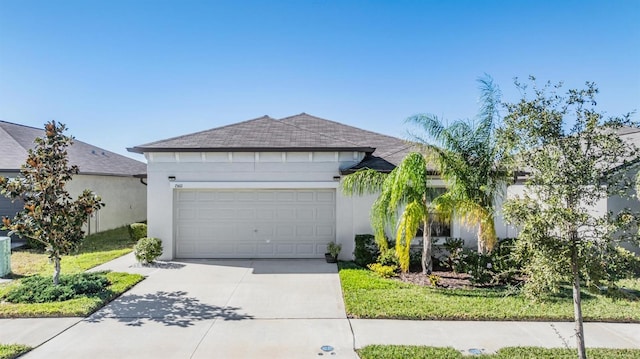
(264, 308)
(489, 336)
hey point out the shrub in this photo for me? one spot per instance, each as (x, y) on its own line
(501, 266)
(147, 249)
(454, 247)
(137, 231)
(384, 271)
(334, 249)
(366, 250)
(40, 289)
(389, 258)
(434, 280)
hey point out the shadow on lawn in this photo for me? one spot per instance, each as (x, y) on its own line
(168, 308)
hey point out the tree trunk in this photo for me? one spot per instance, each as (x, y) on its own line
(56, 270)
(482, 248)
(577, 304)
(427, 263)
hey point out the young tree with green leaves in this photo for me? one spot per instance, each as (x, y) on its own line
(404, 190)
(471, 163)
(49, 216)
(568, 150)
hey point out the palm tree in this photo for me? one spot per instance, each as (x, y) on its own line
(471, 162)
(404, 190)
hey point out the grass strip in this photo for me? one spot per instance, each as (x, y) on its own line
(369, 296)
(424, 352)
(10, 351)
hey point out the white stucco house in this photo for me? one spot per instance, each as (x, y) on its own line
(265, 188)
(113, 177)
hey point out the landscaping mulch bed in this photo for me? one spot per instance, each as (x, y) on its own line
(447, 279)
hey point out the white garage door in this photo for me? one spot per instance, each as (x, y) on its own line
(292, 223)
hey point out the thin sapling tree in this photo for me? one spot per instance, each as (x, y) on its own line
(50, 216)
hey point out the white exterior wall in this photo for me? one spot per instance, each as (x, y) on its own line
(246, 170)
(125, 199)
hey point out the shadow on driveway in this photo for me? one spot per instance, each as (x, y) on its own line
(169, 308)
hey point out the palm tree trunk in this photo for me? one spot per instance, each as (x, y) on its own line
(427, 263)
(482, 248)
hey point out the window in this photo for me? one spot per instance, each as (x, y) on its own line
(439, 228)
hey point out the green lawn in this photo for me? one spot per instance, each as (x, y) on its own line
(79, 307)
(369, 296)
(10, 351)
(96, 249)
(420, 352)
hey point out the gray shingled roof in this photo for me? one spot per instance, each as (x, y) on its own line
(16, 139)
(389, 148)
(264, 133)
(294, 133)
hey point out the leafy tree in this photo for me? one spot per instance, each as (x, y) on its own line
(568, 150)
(472, 164)
(405, 190)
(49, 216)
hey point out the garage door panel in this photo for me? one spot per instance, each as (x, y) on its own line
(306, 197)
(266, 196)
(285, 196)
(325, 231)
(304, 230)
(262, 214)
(186, 196)
(306, 249)
(246, 249)
(285, 231)
(328, 197)
(246, 213)
(325, 214)
(187, 213)
(265, 250)
(224, 196)
(284, 249)
(305, 214)
(206, 197)
(254, 223)
(285, 214)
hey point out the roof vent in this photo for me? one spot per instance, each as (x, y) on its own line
(93, 152)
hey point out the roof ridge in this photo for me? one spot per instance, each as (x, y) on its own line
(342, 124)
(316, 133)
(21, 125)
(265, 117)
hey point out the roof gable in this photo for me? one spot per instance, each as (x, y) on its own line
(16, 139)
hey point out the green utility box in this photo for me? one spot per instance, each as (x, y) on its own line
(5, 256)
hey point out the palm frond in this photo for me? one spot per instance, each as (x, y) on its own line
(365, 181)
(413, 214)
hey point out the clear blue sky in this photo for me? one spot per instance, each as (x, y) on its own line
(122, 73)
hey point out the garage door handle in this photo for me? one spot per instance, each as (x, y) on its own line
(255, 230)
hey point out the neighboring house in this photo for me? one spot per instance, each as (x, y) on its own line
(109, 175)
(264, 188)
(612, 204)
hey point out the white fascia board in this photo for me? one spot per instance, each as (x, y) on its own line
(252, 185)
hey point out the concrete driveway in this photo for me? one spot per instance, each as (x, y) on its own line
(216, 309)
